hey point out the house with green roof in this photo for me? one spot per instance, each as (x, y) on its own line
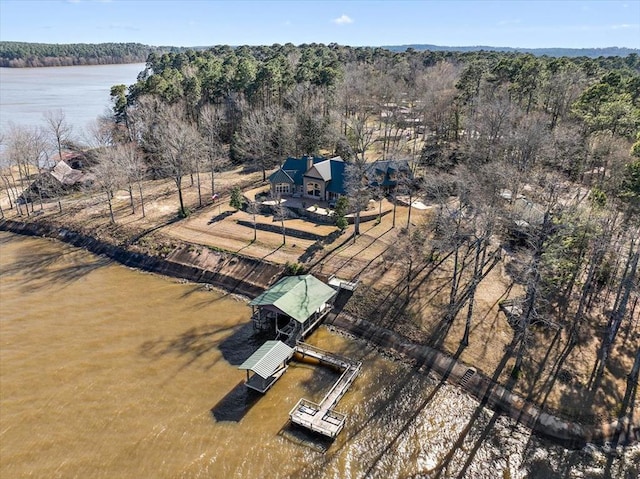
(293, 306)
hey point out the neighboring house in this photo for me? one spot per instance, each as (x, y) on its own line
(323, 179)
(78, 160)
(385, 174)
(50, 184)
(316, 178)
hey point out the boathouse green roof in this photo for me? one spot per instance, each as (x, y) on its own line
(296, 296)
(268, 358)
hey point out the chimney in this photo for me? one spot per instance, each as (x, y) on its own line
(309, 162)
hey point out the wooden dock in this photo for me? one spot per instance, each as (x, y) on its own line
(321, 418)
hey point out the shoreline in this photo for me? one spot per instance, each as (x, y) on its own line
(248, 277)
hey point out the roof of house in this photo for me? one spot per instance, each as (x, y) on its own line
(282, 176)
(267, 359)
(295, 168)
(320, 170)
(66, 175)
(296, 296)
(329, 170)
(337, 176)
(380, 172)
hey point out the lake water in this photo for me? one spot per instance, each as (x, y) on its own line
(108, 372)
(81, 92)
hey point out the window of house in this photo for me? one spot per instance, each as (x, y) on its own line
(282, 188)
(313, 189)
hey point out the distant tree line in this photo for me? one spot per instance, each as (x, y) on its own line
(23, 54)
(550, 52)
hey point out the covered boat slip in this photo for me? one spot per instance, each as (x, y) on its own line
(268, 363)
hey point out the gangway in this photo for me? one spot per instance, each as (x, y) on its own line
(321, 417)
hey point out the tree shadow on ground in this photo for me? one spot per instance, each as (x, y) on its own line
(346, 242)
(236, 404)
(388, 447)
(220, 217)
(381, 408)
(193, 344)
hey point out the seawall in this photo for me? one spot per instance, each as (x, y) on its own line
(231, 273)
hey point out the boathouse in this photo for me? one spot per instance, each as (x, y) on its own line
(293, 306)
(267, 364)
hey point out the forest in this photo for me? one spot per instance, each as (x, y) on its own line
(537, 156)
(24, 54)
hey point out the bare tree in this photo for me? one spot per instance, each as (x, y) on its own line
(108, 175)
(129, 160)
(100, 133)
(212, 125)
(280, 212)
(28, 149)
(436, 93)
(356, 183)
(174, 142)
(59, 128)
(260, 137)
(179, 147)
(253, 208)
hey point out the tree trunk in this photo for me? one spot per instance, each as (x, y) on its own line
(113, 220)
(199, 185)
(213, 180)
(178, 180)
(6, 184)
(141, 198)
(133, 207)
(409, 213)
(393, 224)
(622, 300)
(284, 232)
(477, 272)
(356, 225)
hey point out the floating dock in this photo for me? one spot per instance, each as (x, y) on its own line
(321, 418)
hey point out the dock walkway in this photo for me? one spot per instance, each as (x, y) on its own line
(321, 417)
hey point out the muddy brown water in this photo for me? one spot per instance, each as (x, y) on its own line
(107, 372)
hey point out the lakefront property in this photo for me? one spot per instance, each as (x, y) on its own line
(512, 286)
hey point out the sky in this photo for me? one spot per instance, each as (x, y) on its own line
(189, 23)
